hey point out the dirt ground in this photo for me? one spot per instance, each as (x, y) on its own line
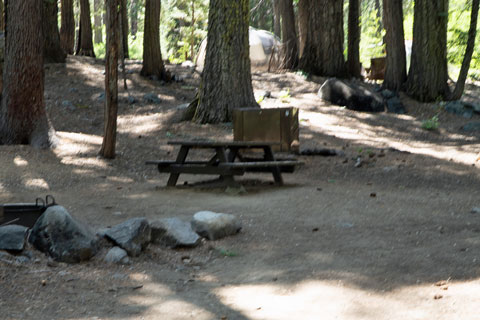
(392, 239)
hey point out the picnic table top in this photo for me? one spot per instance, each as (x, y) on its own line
(222, 143)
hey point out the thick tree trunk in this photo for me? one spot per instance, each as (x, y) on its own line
(133, 18)
(302, 20)
(353, 61)
(428, 75)
(53, 51)
(2, 16)
(111, 78)
(226, 82)
(124, 26)
(396, 69)
(67, 29)
(277, 25)
(84, 41)
(152, 55)
(472, 33)
(97, 21)
(23, 118)
(289, 35)
(323, 53)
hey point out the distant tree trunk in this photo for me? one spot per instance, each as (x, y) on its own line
(124, 26)
(2, 17)
(472, 33)
(277, 25)
(111, 78)
(53, 51)
(302, 20)
(396, 69)
(152, 55)
(353, 61)
(427, 79)
(67, 30)
(323, 53)
(97, 21)
(23, 118)
(226, 82)
(289, 35)
(84, 41)
(133, 18)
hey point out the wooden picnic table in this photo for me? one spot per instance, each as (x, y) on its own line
(226, 160)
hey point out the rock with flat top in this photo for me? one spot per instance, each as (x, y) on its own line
(12, 237)
(173, 232)
(132, 235)
(215, 226)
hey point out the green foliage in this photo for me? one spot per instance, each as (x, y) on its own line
(430, 124)
(371, 42)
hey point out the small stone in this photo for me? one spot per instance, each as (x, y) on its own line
(101, 97)
(475, 210)
(117, 255)
(68, 104)
(215, 226)
(152, 98)
(131, 100)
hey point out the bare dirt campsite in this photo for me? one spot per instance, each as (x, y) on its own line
(394, 235)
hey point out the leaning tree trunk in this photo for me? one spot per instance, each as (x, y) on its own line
(289, 35)
(53, 51)
(111, 78)
(84, 41)
(353, 61)
(472, 33)
(323, 53)
(67, 29)
(133, 18)
(428, 75)
(152, 56)
(23, 118)
(302, 20)
(396, 68)
(124, 26)
(97, 21)
(226, 82)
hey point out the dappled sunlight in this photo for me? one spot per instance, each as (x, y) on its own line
(35, 184)
(78, 149)
(20, 162)
(140, 124)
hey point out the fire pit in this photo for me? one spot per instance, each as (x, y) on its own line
(24, 214)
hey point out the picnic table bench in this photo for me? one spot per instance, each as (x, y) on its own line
(227, 160)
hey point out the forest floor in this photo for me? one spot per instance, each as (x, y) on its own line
(392, 239)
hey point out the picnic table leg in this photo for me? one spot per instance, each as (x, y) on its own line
(277, 174)
(222, 157)
(182, 155)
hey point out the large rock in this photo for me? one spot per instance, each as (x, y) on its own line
(132, 235)
(353, 96)
(472, 127)
(214, 226)
(62, 237)
(174, 233)
(459, 108)
(395, 105)
(12, 237)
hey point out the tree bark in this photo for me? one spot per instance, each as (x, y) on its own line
(124, 26)
(97, 21)
(323, 53)
(84, 41)
(302, 20)
(67, 30)
(428, 75)
(23, 118)
(289, 35)
(111, 77)
(2, 16)
(353, 61)
(152, 55)
(277, 25)
(133, 18)
(226, 81)
(53, 51)
(396, 68)
(472, 33)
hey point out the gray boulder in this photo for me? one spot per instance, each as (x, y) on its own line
(132, 235)
(62, 237)
(394, 105)
(459, 108)
(215, 226)
(174, 233)
(12, 237)
(472, 127)
(152, 98)
(353, 96)
(117, 255)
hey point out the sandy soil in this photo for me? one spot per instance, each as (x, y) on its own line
(392, 239)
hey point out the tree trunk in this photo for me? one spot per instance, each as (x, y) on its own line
(396, 68)
(2, 17)
(472, 33)
(124, 26)
(84, 41)
(67, 30)
(226, 81)
(97, 21)
(277, 25)
(111, 78)
(23, 118)
(133, 18)
(289, 35)
(323, 53)
(428, 75)
(302, 20)
(152, 55)
(53, 51)
(353, 61)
